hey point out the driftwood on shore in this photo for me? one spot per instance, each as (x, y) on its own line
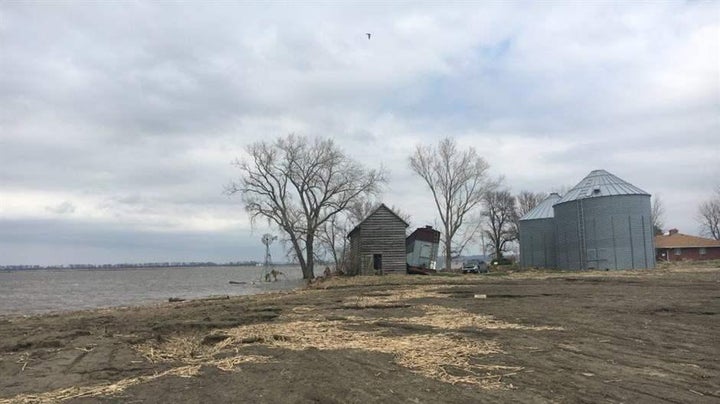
(274, 274)
(218, 297)
(180, 299)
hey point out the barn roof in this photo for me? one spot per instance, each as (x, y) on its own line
(544, 209)
(382, 206)
(600, 183)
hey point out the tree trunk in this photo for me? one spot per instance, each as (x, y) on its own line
(308, 272)
(336, 259)
(298, 253)
(448, 255)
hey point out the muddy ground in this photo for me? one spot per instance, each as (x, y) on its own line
(529, 337)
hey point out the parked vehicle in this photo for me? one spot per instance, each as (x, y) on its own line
(474, 267)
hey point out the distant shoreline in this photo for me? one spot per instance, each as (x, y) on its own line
(136, 266)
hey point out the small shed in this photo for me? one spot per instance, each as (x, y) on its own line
(422, 248)
(377, 244)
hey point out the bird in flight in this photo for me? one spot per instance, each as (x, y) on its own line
(368, 34)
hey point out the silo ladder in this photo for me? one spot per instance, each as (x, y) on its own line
(581, 235)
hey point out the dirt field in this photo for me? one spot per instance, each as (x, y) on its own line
(648, 336)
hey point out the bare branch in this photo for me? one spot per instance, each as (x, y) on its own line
(526, 201)
(709, 216)
(300, 184)
(457, 180)
(657, 214)
(500, 215)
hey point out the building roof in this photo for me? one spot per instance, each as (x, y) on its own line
(600, 183)
(382, 206)
(426, 233)
(679, 240)
(544, 209)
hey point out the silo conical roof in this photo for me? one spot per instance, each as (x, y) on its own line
(600, 183)
(543, 210)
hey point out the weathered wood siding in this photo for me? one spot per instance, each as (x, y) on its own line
(380, 233)
(354, 254)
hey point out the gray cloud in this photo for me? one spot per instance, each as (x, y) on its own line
(62, 208)
(132, 113)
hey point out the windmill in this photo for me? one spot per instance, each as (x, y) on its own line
(267, 239)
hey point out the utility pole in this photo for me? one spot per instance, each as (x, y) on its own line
(482, 240)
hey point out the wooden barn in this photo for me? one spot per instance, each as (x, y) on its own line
(377, 244)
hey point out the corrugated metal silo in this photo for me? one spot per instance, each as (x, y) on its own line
(604, 223)
(537, 235)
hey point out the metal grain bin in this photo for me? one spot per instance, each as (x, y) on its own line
(604, 223)
(537, 235)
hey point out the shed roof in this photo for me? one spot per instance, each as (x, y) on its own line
(382, 206)
(426, 233)
(600, 183)
(679, 240)
(544, 209)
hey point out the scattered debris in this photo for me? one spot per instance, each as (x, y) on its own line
(218, 297)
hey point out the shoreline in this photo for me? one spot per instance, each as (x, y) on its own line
(318, 283)
(537, 336)
(59, 291)
(150, 304)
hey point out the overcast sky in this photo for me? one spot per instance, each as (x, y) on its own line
(118, 121)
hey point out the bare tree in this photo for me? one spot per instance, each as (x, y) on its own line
(333, 240)
(499, 214)
(709, 216)
(657, 214)
(299, 185)
(457, 180)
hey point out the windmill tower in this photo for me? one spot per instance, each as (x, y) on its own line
(267, 239)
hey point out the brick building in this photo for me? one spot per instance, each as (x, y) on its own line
(677, 247)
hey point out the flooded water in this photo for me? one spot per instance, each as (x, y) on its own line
(40, 291)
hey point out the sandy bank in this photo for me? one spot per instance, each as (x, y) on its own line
(621, 336)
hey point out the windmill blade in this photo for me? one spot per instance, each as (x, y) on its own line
(268, 238)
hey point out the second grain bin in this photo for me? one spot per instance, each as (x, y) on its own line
(604, 223)
(537, 235)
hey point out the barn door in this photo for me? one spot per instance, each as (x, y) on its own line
(377, 263)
